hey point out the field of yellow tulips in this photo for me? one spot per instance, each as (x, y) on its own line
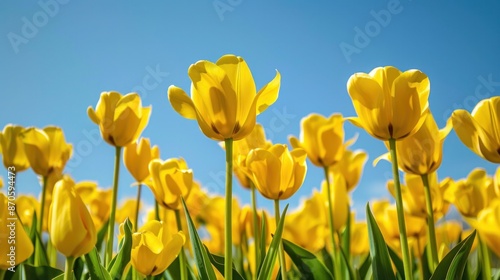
(76, 230)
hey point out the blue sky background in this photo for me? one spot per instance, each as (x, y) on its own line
(57, 57)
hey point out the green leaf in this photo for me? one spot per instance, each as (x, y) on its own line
(268, 263)
(39, 256)
(346, 267)
(346, 235)
(365, 266)
(309, 266)
(398, 263)
(327, 259)
(96, 270)
(26, 271)
(453, 264)
(205, 270)
(174, 270)
(262, 245)
(218, 262)
(101, 235)
(121, 260)
(381, 263)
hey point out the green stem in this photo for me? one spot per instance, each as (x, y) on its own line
(52, 254)
(68, 271)
(431, 232)
(281, 251)
(228, 249)
(401, 218)
(2, 274)
(157, 211)
(336, 267)
(256, 226)
(182, 255)
(39, 245)
(485, 255)
(111, 225)
(137, 205)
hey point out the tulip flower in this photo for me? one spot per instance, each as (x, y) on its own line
(26, 207)
(322, 138)
(480, 130)
(127, 210)
(359, 244)
(12, 148)
(136, 157)
(448, 234)
(71, 229)
(390, 104)
(121, 119)
(46, 150)
(224, 99)
(12, 229)
(488, 226)
(339, 200)
(351, 167)
(171, 180)
(154, 248)
(277, 172)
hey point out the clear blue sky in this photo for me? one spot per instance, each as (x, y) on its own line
(57, 57)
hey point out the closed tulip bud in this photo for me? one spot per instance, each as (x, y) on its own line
(224, 99)
(488, 226)
(172, 179)
(339, 199)
(46, 150)
(26, 207)
(71, 229)
(121, 118)
(322, 138)
(154, 248)
(472, 194)
(480, 131)
(390, 104)
(12, 230)
(351, 167)
(12, 148)
(137, 156)
(276, 172)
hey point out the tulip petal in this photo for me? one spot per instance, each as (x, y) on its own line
(294, 142)
(385, 156)
(171, 250)
(487, 115)
(181, 102)
(264, 165)
(268, 94)
(36, 146)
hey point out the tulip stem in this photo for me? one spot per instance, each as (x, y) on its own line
(399, 207)
(111, 226)
(336, 267)
(68, 270)
(256, 226)
(2, 273)
(228, 249)
(431, 232)
(485, 255)
(137, 206)
(281, 251)
(182, 255)
(38, 244)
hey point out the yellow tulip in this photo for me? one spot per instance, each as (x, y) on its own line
(171, 180)
(27, 206)
(136, 158)
(127, 210)
(422, 152)
(350, 166)
(488, 226)
(12, 148)
(390, 104)
(223, 99)
(154, 248)
(46, 150)
(97, 200)
(414, 196)
(276, 172)
(306, 226)
(480, 131)
(322, 138)
(472, 194)
(71, 229)
(16, 244)
(359, 245)
(121, 119)
(339, 199)
(448, 235)
(496, 182)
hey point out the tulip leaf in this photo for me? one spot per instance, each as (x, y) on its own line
(327, 259)
(101, 234)
(26, 271)
(39, 256)
(205, 270)
(218, 262)
(262, 245)
(398, 263)
(266, 269)
(347, 271)
(365, 266)
(121, 260)
(381, 263)
(309, 266)
(96, 270)
(453, 264)
(174, 270)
